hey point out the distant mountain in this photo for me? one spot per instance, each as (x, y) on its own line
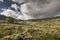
(4, 19)
(44, 19)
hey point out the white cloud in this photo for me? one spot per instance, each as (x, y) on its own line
(9, 13)
(19, 1)
(1, 0)
(14, 6)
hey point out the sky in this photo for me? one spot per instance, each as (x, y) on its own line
(30, 9)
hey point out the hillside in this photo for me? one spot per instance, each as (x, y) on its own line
(45, 29)
(2, 17)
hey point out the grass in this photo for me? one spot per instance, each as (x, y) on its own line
(47, 29)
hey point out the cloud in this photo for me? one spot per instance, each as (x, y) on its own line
(14, 6)
(13, 14)
(39, 9)
(9, 13)
(19, 1)
(1, 0)
(34, 9)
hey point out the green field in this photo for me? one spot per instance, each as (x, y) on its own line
(46, 29)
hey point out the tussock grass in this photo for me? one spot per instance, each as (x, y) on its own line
(47, 29)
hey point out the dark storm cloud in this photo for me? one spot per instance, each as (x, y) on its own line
(39, 9)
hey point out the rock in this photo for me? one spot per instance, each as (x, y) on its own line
(19, 37)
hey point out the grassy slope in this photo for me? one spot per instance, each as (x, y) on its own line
(48, 29)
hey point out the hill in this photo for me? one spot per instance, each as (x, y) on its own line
(2, 17)
(45, 29)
